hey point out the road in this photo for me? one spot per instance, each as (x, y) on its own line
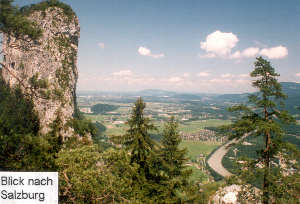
(215, 160)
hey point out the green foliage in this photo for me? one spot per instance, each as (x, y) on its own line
(21, 145)
(262, 118)
(173, 162)
(141, 147)
(137, 139)
(42, 6)
(37, 83)
(83, 127)
(100, 138)
(88, 176)
(13, 22)
(103, 108)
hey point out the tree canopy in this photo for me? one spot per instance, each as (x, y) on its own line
(263, 117)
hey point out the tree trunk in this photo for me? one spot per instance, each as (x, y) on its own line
(266, 156)
(266, 195)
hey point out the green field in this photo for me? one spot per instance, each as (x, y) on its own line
(195, 126)
(195, 148)
(198, 175)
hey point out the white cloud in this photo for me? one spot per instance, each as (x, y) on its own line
(126, 80)
(186, 75)
(242, 81)
(298, 74)
(247, 53)
(236, 55)
(217, 80)
(250, 52)
(147, 52)
(123, 73)
(203, 74)
(275, 52)
(101, 45)
(244, 75)
(227, 75)
(175, 79)
(208, 55)
(144, 51)
(219, 44)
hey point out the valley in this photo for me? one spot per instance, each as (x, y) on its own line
(199, 117)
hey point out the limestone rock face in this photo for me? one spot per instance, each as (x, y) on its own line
(45, 70)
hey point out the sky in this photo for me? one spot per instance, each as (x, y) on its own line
(203, 46)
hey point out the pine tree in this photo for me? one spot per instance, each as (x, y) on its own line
(137, 139)
(141, 147)
(263, 117)
(173, 162)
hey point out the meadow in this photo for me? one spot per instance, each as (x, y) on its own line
(195, 148)
(195, 126)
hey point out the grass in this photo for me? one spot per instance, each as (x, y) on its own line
(198, 175)
(243, 151)
(195, 148)
(195, 126)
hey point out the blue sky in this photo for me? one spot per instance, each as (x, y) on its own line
(186, 46)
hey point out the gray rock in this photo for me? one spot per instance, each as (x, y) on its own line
(46, 70)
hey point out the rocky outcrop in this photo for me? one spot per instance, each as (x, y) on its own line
(236, 194)
(45, 69)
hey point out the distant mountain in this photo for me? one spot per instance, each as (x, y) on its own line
(232, 98)
(292, 90)
(156, 92)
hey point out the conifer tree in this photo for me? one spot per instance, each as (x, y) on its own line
(263, 117)
(173, 161)
(141, 147)
(137, 139)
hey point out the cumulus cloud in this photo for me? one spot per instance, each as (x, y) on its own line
(123, 73)
(147, 52)
(217, 80)
(144, 51)
(247, 53)
(236, 55)
(129, 80)
(175, 79)
(275, 52)
(227, 75)
(208, 55)
(250, 52)
(186, 75)
(203, 74)
(219, 43)
(244, 75)
(101, 45)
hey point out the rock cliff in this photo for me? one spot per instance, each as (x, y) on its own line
(45, 69)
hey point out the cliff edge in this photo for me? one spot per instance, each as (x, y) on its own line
(45, 69)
